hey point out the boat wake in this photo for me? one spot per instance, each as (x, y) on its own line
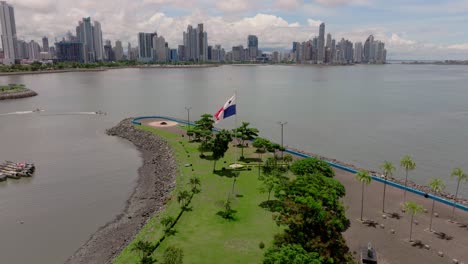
(18, 113)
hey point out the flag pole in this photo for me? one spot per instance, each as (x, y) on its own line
(235, 126)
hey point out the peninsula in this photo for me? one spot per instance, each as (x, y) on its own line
(15, 91)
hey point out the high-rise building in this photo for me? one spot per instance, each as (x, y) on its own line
(195, 43)
(329, 40)
(97, 38)
(358, 52)
(368, 49)
(181, 53)
(34, 50)
(7, 19)
(159, 49)
(252, 44)
(69, 51)
(84, 34)
(321, 44)
(145, 46)
(45, 44)
(22, 49)
(173, 55)
(118, 51)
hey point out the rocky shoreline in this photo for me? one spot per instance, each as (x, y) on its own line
(410, 183)
(156, 180)
(17, 95)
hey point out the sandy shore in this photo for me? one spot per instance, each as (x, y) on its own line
(156, 179)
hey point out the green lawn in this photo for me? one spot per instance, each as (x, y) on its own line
(204, 236)
(12, 88)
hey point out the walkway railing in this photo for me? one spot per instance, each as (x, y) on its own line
(335, 165)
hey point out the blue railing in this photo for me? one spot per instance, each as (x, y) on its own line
(335, 165)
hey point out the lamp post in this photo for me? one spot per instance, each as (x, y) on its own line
(282, 127)
(188, 115)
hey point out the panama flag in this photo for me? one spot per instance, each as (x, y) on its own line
(229, 109)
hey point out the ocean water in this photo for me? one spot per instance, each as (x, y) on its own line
(362, 114)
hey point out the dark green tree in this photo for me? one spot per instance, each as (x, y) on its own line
(314, 216)
(205, 122)
(291, 254)
(244, 133)
(173, 255)
(311, 166)
(220, 145)
(261, 144)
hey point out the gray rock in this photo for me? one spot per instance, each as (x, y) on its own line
(427, 247)
(436, 214)
(392, 231)
(440, 253)
(455, 261)
(382, 226)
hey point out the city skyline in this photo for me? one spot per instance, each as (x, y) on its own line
(276, 23)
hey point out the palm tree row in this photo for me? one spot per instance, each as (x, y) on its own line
(436, 186)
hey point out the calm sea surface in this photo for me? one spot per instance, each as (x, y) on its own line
(358, 114)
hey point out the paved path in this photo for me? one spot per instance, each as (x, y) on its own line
(395, 248)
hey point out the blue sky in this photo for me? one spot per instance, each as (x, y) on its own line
(411, 29)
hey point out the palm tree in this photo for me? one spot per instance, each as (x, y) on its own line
(461, 177)
(408, 163)
(195, 184)
(183, 198)
(364, 178)
(414, 209)
(437, 185)
(388, 169)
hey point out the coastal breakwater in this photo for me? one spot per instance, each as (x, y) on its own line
(17, 95)
(412, 187)
(156, 180)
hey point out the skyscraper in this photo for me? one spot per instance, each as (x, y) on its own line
(45, 44)
(34, 50)
(252, 44)
(367, 56)
(358, 52)
(195, 43)
(118, 50)
(84, 34)
(145, 46)
(97, 38)
(159, 49)
(329, 40)
(321, 44)
(7, 19)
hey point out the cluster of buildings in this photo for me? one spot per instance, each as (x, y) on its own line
(328, 51)
(87, 45)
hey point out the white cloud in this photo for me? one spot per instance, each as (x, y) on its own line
(463, 46)
(234, 6)
(288, 4)
(342, 2)
(122, 20)
(399, 41)
(313, 23)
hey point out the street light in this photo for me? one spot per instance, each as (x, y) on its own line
(188, 115)
(282, 126)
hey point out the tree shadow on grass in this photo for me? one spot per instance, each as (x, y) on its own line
(226, 173)
(248, 160)
(228, 215)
